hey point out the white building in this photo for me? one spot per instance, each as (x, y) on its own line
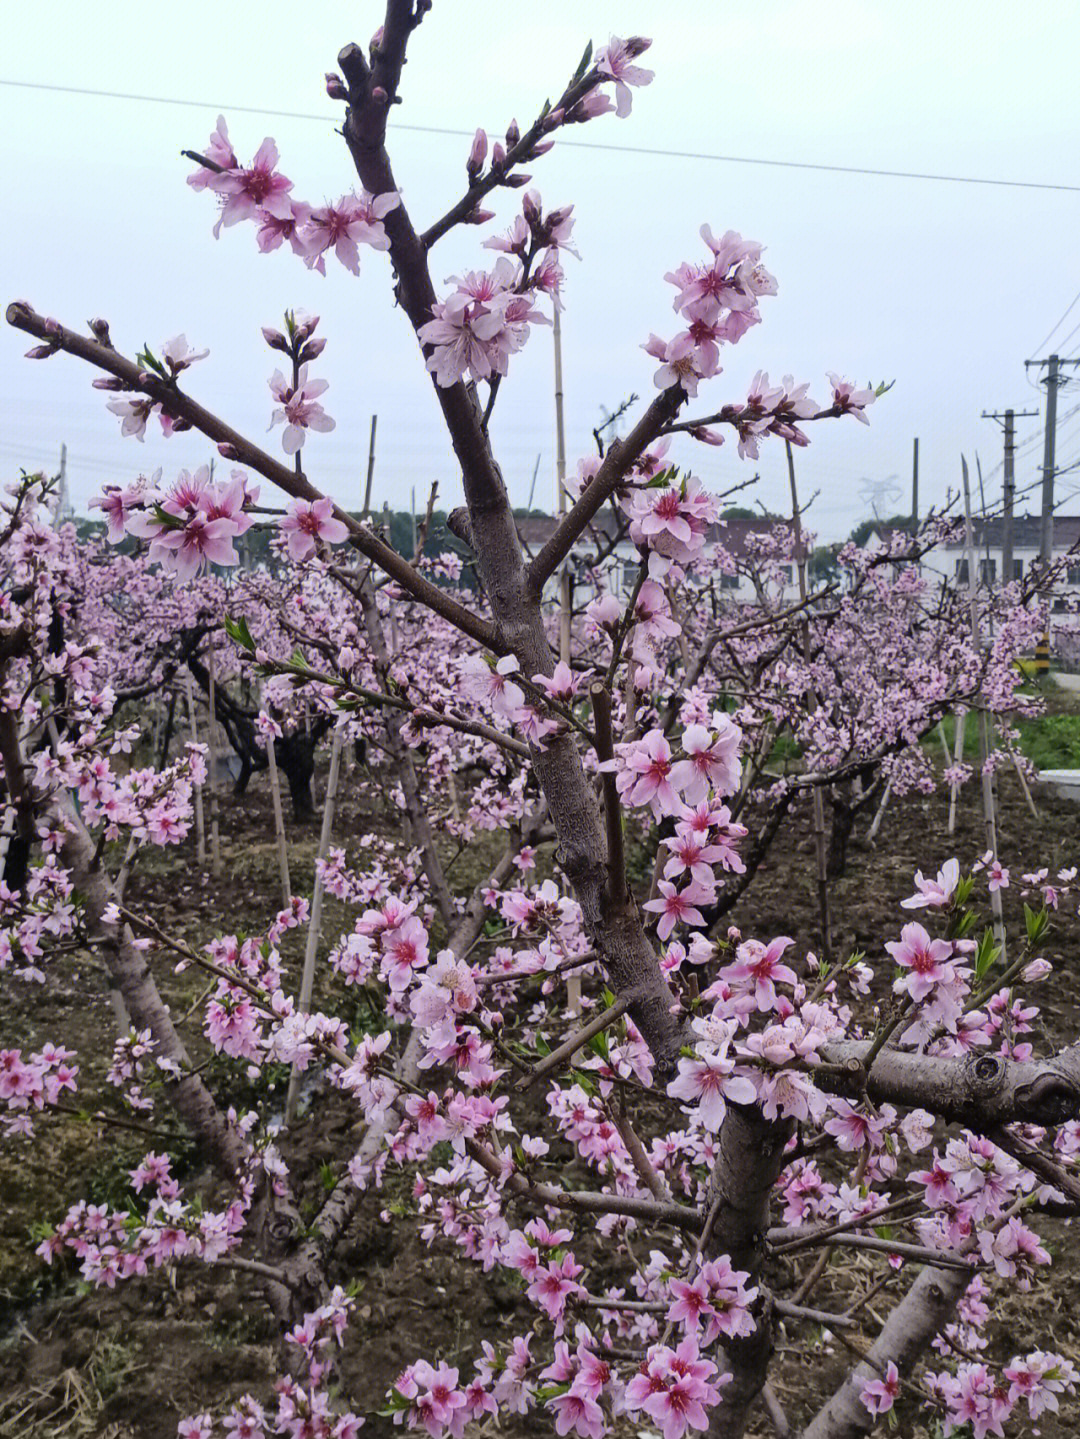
(605, 549)
(951, 561)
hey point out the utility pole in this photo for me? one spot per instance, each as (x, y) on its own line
(1009, 417)
(915, 489)
(1054, 380)
(64, 509)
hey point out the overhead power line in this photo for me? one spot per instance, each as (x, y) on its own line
(571, 144)
(1059, 324)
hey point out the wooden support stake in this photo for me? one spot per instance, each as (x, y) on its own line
(279, 823)
(211, 740)
(200, 822)
(872, 832)
(818, 798)
(307, 979)
(989, 813)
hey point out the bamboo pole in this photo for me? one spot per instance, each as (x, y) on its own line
(989, 814)
(279, 823)
(818, 798)
(1032, 806)
(958, 755)
(307, 979)
(573, 982)
(944, 743)
(200, 822)
(871, 833)
(211, 739)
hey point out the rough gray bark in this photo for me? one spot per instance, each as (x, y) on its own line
(130, 973)
(613, 925)
(750, 1158)
(927, 1307)
(977, 1090)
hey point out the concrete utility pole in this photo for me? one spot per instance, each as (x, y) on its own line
(1053, 381)
(1046, 532)
(1009, 417)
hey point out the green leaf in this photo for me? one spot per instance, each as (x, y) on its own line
(583, 63)
(963, 923)
(171, 522)
(1036, 921)
(147, 360)
(396, 1403)
(987, 955)
(238, 631)
(962, 893)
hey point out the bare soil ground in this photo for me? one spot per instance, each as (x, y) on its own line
(126, 1364)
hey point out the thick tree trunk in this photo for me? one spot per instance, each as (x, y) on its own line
(296, 760)
(925, 1310)
(749, 1160)
(843, 822)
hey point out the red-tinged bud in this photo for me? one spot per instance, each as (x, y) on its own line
(336, 87)
(100, 330)
(530, 208)
(275, 339)
(109, 383)
(146, 378)
(477, 154)
(227, 451)
(498, 155)
(513, 135)
(515, 182)
(179, 423)
(262, 657)
(312, 350)
(41, 352)
(554, 119)
(477, 216)
(379, 95)
(53, 327)
(542, 147)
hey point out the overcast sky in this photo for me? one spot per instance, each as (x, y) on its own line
(945, 288)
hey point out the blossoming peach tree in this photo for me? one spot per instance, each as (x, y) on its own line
(741, 1112)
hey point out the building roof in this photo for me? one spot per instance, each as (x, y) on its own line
(733, 534)
(1027, 533)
